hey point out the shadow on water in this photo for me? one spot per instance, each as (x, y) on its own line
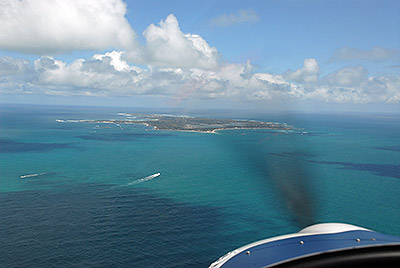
(384, 170)
(123, 136)
(99, 226)
(9, 146)
(395, 148)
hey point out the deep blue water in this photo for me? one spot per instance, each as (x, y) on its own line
(90, 204)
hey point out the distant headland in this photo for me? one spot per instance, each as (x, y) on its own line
(188, 123)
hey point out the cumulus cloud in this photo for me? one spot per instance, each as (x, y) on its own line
(101, 75)
(307, 74)
(53, 26)
(347, 76)
(354, 84)
(11, 66)
(376, 53)
(243, 16)
(167, 46)
(183, 66)
(110, 75)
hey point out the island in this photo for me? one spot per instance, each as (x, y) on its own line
(188, 123)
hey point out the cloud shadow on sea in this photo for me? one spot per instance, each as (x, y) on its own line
(10, 146)
(395, 148)
(384, 170)
(104, 227)
(298, 153)
(122, 136)
(296, 133)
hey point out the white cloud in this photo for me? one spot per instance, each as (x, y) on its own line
(347, 76)
(167, 46)
(109, 75)
(15, 75)
(241, 17)
(377, 53)
(184, 67)
(99, 75)
(53, 26)
(307, 74)
(11, 66)
(353, 84)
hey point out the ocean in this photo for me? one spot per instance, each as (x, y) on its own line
(90, 194)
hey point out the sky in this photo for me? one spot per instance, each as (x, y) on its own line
(269, 55)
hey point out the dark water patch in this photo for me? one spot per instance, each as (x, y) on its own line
(395, 148)
(297, 133)
(64, 127)
(296, 154)
(9, 146)
(384, 170)
(123, 136)
(99, 226)
(272, 132)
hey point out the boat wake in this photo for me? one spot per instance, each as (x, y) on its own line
(147, 178)
(32, 175)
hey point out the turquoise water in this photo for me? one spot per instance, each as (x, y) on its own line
(93, 204)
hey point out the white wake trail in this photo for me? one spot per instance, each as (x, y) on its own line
(147, 178)
(32, 175)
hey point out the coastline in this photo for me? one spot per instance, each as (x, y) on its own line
(190, 124)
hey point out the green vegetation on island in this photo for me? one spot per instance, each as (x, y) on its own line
(188, 123)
